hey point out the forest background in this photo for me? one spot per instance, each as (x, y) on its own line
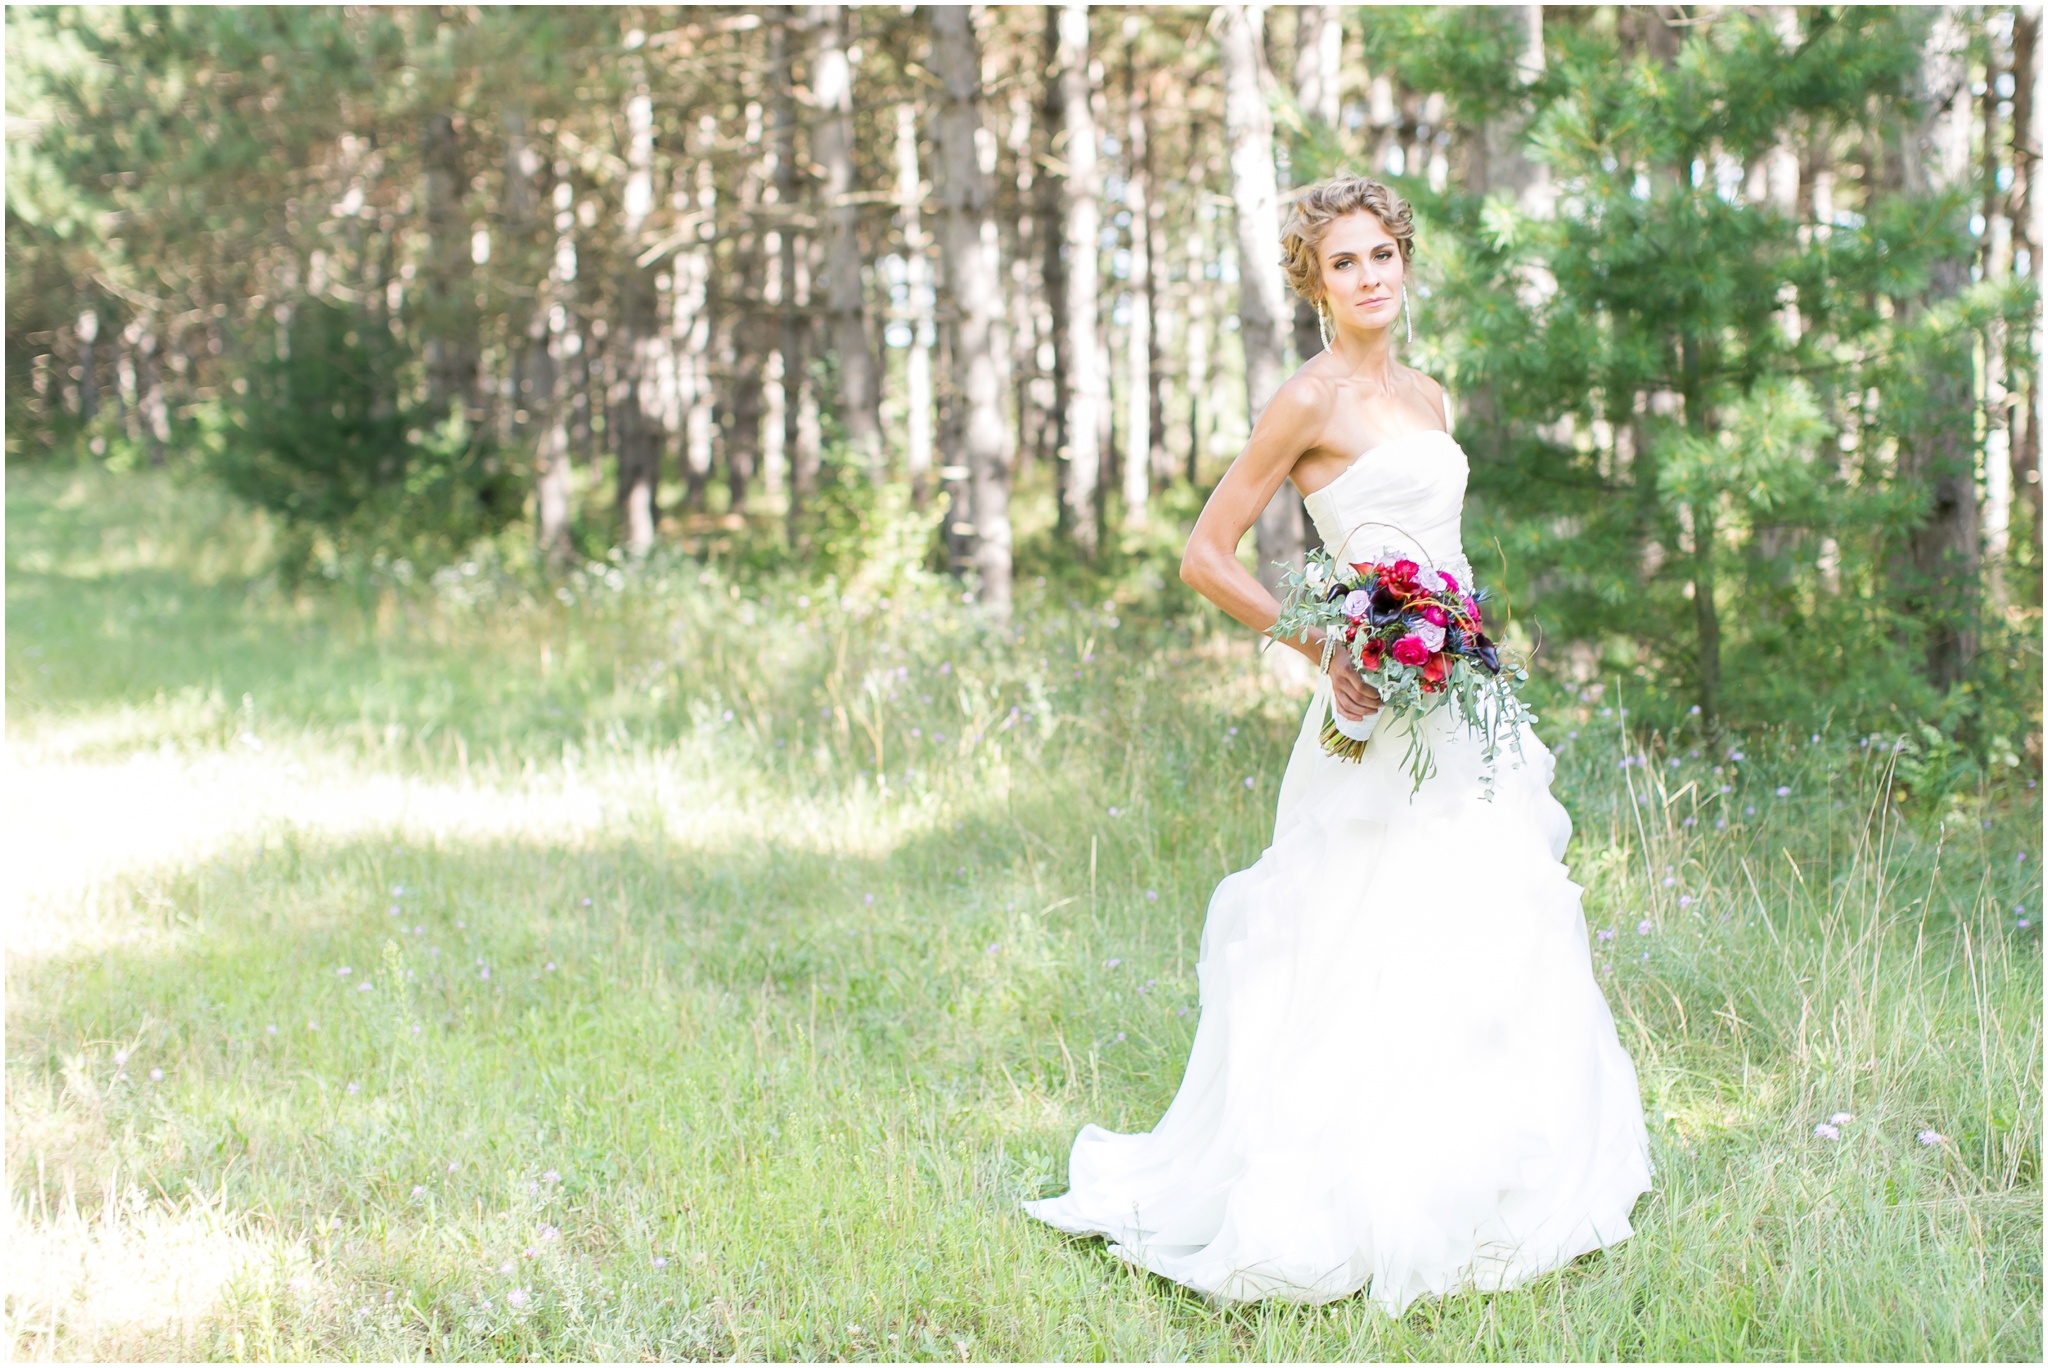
(1738, 306)
(605, 758)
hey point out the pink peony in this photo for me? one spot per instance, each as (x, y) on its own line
(1410, 650)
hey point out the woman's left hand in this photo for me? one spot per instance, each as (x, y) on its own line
(1354, 698)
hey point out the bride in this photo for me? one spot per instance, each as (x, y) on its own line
(1404, 1077)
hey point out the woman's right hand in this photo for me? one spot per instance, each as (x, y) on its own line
(1353, 697)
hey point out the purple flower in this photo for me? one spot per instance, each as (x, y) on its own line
(120, 1056)
(1931, 1138)
(1112, 964)
(1643, 927)
(354, 1088)
(343, 972)
(1840, 1119)
(418, 1191)
(157, 1076)
(1827, 1132)
(508, 1267)
(660, 1262)
(1355, 604)
(516, 1298)
(1685, 900)
(1784, 790)
(868, 899)
(548, 1232)
(1247, 781)
(551, 1177)
(1606, 933)
(1151, 895)
(1668, 881)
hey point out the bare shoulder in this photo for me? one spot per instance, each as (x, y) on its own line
(1304, 400)
(1431, 389)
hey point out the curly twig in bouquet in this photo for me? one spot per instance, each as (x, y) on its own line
(1417, 637)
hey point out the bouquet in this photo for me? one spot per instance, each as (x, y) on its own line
(1418, 637)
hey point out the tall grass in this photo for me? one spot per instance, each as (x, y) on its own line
(659, 965)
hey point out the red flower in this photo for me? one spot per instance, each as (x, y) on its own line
(1435, 616)
(1450, 582)
(1405, 570)
(1409, 650)
(1372, 656)
(1434, 673)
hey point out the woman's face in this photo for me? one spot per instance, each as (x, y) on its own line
(1362, 271)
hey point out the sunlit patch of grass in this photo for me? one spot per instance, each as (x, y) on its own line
(720, 991)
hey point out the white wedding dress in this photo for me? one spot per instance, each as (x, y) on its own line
(1404, 1077)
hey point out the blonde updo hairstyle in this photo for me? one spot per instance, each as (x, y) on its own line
(1321, 204)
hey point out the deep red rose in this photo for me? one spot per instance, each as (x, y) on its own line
(1404, 570)
(1409, 650)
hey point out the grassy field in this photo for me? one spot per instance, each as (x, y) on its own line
(471, 967)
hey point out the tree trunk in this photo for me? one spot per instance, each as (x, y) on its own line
(974, 290)
(2029, 210)
(1318, 67)
(1156, 303)
(918, 314)
(1261, 308)
(1936, 446)
(1087, 376)
(448, 315)
(1051, 192)
(792, 389)
(860, 404)
(1137, 462)
(536, 326)
(633, 401)
(150, 404)
(1995, 497)
(694, 306)
(88, 364)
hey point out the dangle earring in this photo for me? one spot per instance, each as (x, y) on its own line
(1407, 318)
(1323, 326)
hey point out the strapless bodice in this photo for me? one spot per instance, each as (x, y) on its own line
(1403, 498)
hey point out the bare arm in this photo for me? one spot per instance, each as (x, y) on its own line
(1210, 566)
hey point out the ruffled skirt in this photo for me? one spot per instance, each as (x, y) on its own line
(1405, 1077)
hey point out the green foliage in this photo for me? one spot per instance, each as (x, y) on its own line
(1667, 375)
(324, 438)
